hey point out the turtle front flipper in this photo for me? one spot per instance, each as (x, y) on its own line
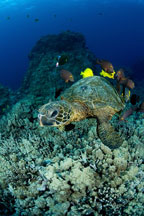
(108, 135)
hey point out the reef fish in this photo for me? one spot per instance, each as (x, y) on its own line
(58, 92)
(134, 99)
(28, 16)
(127, 83)
(124, 82)
(137, 108)
(105, 65)
(127, 113)
(66, 76)
(36, 20)
(109, 75)
(61, 60)
(87, 73)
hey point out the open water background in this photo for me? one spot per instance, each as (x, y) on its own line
(114, 30)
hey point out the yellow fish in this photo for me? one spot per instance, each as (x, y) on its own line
(87, 73)
(126, 94)
(109, 75)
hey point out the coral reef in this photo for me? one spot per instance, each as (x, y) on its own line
(44, 171)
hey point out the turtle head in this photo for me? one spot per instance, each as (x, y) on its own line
(55, 114)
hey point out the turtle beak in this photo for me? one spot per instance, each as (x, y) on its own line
(40, 119)
(44, 121)
(41, 123)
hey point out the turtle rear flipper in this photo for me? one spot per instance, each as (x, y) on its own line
(109, 136)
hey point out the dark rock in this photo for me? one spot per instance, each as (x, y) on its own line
(43, 77)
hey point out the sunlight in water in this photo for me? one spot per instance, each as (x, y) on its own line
(16, 3)
(29, 4)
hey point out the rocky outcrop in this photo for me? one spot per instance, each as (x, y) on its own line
(43, 78)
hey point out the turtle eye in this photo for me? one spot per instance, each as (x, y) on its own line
(54, 113)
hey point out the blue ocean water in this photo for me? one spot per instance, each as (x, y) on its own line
(113, 30)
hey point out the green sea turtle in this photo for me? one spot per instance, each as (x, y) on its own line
(88, 97)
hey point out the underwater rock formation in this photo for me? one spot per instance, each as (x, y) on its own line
(44, 171)
(43, 77)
